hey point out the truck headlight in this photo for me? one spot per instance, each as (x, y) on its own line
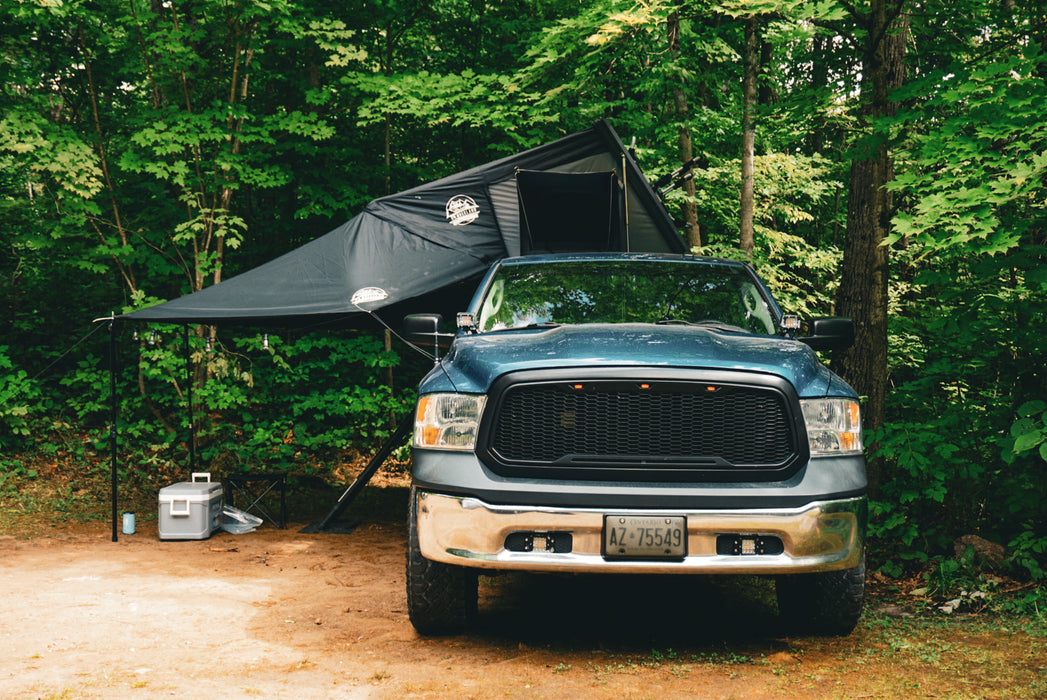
(834, 426)
(448, 421)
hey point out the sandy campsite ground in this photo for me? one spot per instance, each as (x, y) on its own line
(282, 614)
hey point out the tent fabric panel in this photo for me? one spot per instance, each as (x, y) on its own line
(407, 266)
(642, 231)
(548, 156)
(319, 278)
(483, 184)
(642, 197)
(507, 211)
(649, 227)
(455, 215)
(597, 148)
(303, 281)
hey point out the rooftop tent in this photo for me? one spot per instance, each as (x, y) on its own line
(428, 239)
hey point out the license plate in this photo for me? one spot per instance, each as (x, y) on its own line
(645, 537)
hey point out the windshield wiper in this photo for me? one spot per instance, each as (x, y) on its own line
(676, 295)
(705, 323)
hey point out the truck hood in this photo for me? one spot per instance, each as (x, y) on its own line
(475, 361)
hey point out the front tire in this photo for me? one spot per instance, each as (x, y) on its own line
(827, 603)
(441, 598)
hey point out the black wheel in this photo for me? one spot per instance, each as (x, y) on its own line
(441, 598)
(827, 603)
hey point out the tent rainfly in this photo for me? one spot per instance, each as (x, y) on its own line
(581, 192)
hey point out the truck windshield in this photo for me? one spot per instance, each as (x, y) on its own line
(625, 291)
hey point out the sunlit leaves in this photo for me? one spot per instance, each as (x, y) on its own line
(978, 161)
(53, 155)
(620, 24)
(336, 40)
(466, 99)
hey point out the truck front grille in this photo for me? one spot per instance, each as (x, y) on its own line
(652, 430)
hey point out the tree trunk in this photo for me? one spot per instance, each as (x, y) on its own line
(750, 59)
(862, 295)
(126, 270)
(819, 82)
(768, 93)
(686, 150)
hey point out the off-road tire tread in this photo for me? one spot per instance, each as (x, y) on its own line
(441, 598)
(827, 603)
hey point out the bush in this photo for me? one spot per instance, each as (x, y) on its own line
(20, 401)
(304, 404)
(963, 443)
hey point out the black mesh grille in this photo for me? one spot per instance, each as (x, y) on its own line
(686, 425)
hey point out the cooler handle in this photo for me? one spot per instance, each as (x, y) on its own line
(205, 476)
(174, 502)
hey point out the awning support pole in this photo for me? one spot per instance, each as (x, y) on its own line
(112, 420)
(189, 397)
(390, 444)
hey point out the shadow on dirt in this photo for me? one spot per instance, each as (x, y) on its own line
(621, 613)
(629, 612)
(612, 612)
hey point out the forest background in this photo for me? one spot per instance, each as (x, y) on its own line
(882, 159)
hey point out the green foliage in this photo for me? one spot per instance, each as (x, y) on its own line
(801, 272)
(1029, 551)
(792, 272)
(308, 404)
(465, 100)
(54, 153)
(959, 461)
(1028, 433)
(963, 448)
(20, 399)
(978, 157)
(305, 404)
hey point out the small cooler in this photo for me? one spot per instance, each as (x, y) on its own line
(190, 510)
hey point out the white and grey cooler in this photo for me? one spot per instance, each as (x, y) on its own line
(190, 510)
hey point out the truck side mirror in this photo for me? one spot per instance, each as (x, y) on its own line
(422, 328)
(830, 333)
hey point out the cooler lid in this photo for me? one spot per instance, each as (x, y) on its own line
(193, 490)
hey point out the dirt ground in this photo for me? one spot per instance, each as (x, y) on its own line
(282, 614)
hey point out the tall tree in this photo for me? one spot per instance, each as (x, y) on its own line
(750, 62)
(862, 294)
(685, 147)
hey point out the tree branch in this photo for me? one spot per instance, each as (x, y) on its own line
(125, 271)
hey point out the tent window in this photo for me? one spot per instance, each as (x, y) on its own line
(570, 212)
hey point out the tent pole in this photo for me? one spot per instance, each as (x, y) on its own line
(405, 427)
(625, 199)
(112, 421)
(189, 396)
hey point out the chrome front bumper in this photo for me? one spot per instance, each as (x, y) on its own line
(820, 536)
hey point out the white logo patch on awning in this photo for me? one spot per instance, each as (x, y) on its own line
(462, 210)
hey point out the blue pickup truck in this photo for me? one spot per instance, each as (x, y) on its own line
(636, 413)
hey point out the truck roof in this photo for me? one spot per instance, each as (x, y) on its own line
(653, 257)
